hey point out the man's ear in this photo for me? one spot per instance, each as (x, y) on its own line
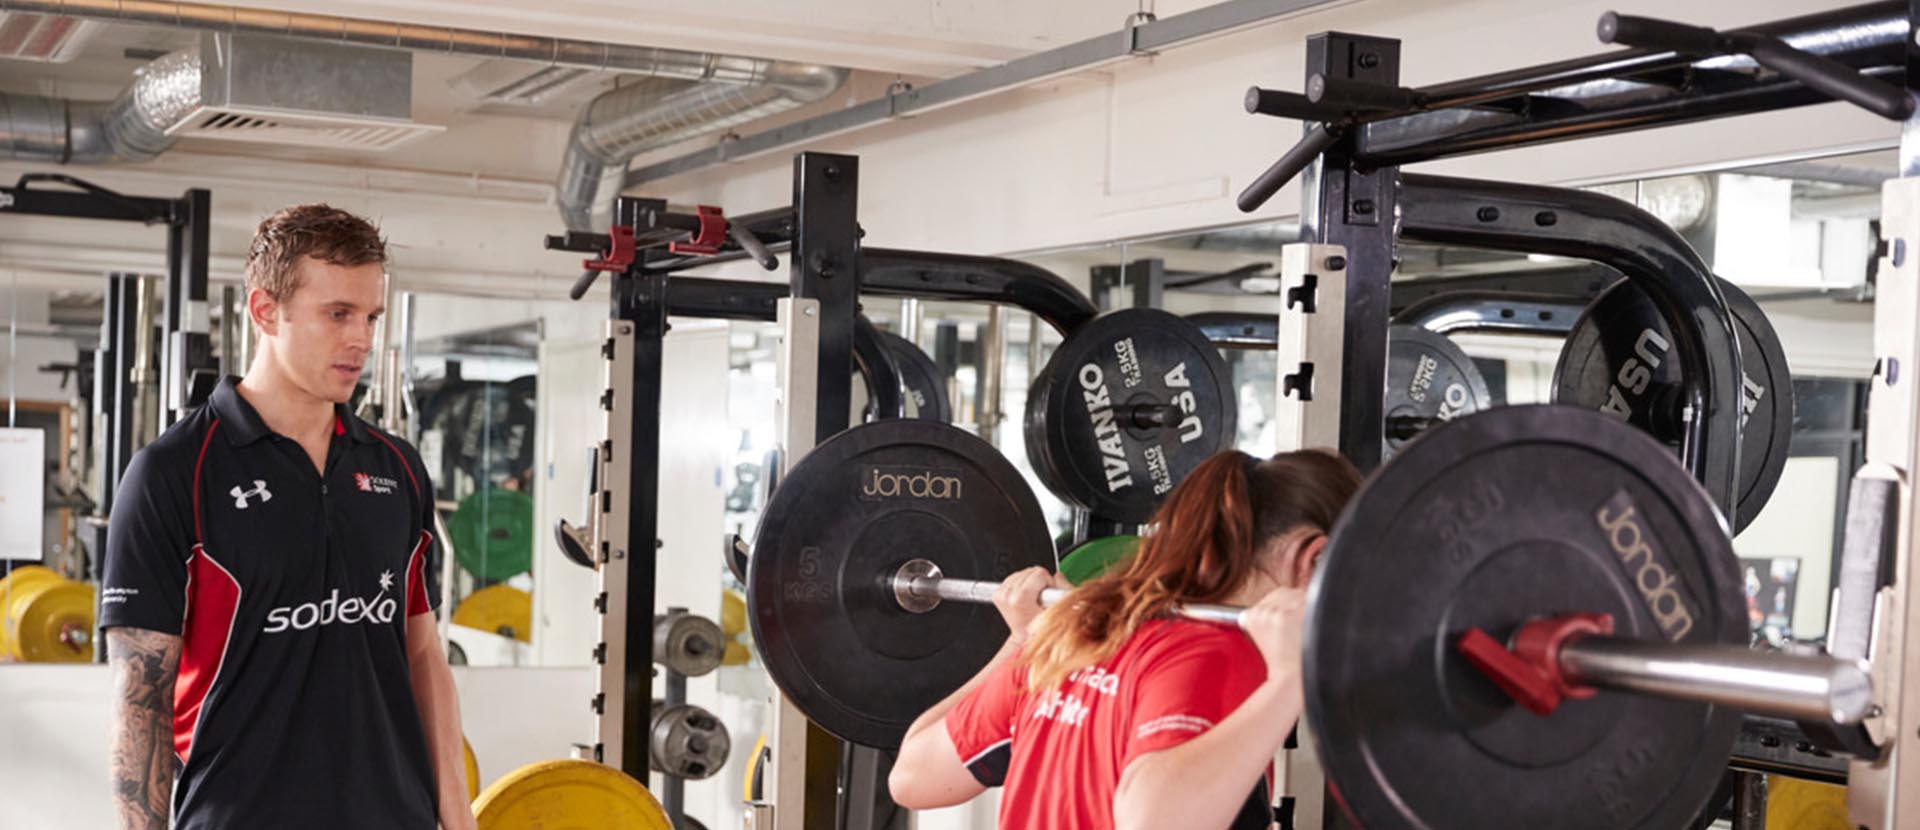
(264, 310)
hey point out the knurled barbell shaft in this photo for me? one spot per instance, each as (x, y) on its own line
(934, 586)
(1803, 687)
(1812, 687)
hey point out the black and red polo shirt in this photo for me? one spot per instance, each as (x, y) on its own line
(290, 589)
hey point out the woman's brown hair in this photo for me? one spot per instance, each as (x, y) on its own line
(1203, 544)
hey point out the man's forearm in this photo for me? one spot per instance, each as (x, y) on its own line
(143, 764)
(439, 703)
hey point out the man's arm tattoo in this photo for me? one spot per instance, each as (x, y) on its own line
(144, 665)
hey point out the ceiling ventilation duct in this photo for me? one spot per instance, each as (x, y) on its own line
(274, 90)
(235, 87)
(617, 126)
(625, 122)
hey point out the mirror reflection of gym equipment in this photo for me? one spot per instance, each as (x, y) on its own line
(914, 318)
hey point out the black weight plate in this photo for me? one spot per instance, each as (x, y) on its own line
(920, 378)
(1430, 379)
(1608, 365)
(1488, 521)
(839, 525)
(1081, 438)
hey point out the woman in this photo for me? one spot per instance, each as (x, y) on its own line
(1105, 712)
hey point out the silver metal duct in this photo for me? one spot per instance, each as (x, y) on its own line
(132, 127)
(583, 54)
(611, 130)
(625, 122)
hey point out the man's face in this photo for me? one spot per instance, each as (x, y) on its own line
(324, 331)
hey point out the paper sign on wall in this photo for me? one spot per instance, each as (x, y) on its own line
(23, 493)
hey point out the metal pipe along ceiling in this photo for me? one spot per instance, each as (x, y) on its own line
(610, 131)
(132, 127)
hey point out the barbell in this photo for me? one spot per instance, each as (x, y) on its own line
(1513, 562)
(1554, 658)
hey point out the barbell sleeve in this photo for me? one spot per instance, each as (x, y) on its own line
(1551, 659)
(1800, 686)
(1809, 687)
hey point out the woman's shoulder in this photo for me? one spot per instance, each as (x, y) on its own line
(1164, 635)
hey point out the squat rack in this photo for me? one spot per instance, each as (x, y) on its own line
(188, 370)
(1362, 125)
(828, 270)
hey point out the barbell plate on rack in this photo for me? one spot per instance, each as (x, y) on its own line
(1806, 805)
(473, 769)
(45, 618)
(921, 380)
(492, 533)
(687, 741)
(498, 609)
(688, 643)
(1429, 380)
(1087, 429)
(848, 515)
(1095, 556)
(1487, 521)
(1620, 359)
(568, 794)
(14, 584)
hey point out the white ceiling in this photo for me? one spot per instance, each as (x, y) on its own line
(912, 37)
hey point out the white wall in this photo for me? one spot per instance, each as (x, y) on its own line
(1162, 144)
(24, 309)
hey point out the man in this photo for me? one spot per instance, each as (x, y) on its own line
(275, 658)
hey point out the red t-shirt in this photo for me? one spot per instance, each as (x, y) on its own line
(1060, 754)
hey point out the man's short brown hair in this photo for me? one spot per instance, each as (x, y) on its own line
(323, 232)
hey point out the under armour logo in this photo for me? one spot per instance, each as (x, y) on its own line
(240, 496)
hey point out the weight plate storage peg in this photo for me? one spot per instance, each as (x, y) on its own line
(686, 741)
(688, 643)
(1126, 407)
(1429, 381)
(1620, 359)
(1490, 522)
(568, 794)
(834, 532)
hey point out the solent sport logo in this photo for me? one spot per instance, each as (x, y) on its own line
(349, 611)
(374, 484)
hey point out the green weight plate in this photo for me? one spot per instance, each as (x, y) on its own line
(492, 533)
(1093, 557)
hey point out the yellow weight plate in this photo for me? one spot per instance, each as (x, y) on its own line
(733, 613)
(1806, 805)
(473, 770)
(498, 609)
(50, 620)
(15, 582)
(750, 784)
(737, 653)
(19, 578)
(568, 795)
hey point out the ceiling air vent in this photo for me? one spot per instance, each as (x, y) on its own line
(282, 91)
(49, 38)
